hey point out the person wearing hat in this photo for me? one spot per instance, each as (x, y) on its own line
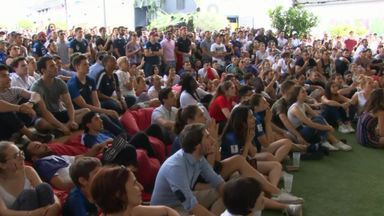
(152, 53)
(38, 48)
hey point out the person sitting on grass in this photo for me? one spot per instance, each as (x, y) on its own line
(312, 126)
(370, 126)
(123, 196)
(21, 190)
(337, 108)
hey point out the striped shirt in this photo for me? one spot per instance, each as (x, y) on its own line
(13, 95)
(366, 130)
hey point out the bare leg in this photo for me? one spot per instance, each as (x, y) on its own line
(332, 139)
(272, 169)
(280, 148)
(238, 163)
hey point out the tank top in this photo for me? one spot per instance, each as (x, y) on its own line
(8, 198)
(361, 99)
(292, 118)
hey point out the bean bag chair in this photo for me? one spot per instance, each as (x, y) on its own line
(147, 170)
(136, 120)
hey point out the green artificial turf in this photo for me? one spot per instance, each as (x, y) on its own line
(342, 184)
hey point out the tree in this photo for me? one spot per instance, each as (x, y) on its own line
(294, 19)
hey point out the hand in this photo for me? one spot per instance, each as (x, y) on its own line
(213, 129)
(301, 140)
(345, 105)
(250, 135)
(65, 129)
(112, 113)
(27, 109)
(72, 125)
(268, 115)
(99, 147)
(330, 128)
(35, 97)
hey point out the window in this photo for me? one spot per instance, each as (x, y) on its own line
(180, 4)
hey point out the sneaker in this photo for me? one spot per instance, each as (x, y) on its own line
(350, 128)
(294, 210)
(288, 198)
(328, 145)
(343, 129)
(342, 146)
(43, 138)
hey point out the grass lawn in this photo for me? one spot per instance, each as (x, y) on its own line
(342, 184)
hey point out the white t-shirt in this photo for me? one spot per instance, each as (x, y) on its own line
(218, 48)
(123, 80)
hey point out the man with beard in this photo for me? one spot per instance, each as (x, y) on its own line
(38, 48)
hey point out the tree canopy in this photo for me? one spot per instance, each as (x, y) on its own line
(294, 19)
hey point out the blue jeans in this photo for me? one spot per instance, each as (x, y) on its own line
(335, 115)
(111, 104)
(312, 135)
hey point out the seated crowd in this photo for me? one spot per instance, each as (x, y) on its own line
(176, 122)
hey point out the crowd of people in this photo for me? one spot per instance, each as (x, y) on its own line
(231, 107)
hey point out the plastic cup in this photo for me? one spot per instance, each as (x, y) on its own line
(288, 181)
(296, 159)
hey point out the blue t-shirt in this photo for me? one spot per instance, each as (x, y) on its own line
(90, 140)
(230, 146)
(259, 118)
(78, 46)
(76, 89)
(39, 49)
(78, 205)
(48, 166)
(3, 57)
(152, 60)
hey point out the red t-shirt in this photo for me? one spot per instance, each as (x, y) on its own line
(217, 105)
(350, 44)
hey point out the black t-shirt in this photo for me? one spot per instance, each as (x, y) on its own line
(106, 84)
(120, 43)
(341, 66)
(300, 62)
(184, 45)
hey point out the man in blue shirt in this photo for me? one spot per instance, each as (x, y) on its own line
(177, 176)
(78, 202)
(152, 53)
(38, 48)
(84, 95)
(78, 44)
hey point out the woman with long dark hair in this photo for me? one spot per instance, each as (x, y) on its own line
(336, 108)
(313, 127)
(370, 126)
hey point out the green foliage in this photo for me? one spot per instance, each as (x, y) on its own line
(344, 29)
(25, 24)
(294, 19)
(201, 20)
